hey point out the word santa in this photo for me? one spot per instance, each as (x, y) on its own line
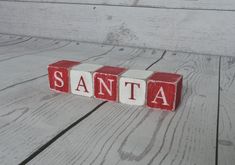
(134, 87)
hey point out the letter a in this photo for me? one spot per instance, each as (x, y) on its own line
(82, 84)
(160, 95)
(58, 76)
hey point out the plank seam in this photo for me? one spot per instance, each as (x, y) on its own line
(60, 134)
(163, 54)
(120, 5)
(218, 114)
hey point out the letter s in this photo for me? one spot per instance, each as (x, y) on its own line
(58, 77)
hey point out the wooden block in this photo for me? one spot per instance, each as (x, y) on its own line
(132, 87)
(58, 74)
(81, 81)
(106, 82)
(164, 90)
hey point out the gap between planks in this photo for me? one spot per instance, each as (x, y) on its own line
(226, 134)
(218, 114)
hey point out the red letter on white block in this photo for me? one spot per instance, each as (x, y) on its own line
(81, 79)
(132, 89)
(82, 83)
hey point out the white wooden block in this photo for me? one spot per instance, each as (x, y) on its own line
(132, 87)
(81, 79)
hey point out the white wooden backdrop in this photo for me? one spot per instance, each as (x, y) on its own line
(188, 30)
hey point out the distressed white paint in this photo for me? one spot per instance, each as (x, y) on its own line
(132, 87)
(198, 31)
(84, 71)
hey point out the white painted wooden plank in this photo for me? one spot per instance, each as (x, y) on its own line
(9, 40)
(31, 115)
(121, 134)
(208, 32)
(181, 4)
(226, 140)
(28, 47)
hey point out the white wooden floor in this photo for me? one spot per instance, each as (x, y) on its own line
(41, 127)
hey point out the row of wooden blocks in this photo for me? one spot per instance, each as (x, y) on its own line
(134, 87)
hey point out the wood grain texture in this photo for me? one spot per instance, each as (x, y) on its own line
(181, 4)
(9, 40)
(30, 114)
(226, 139)
(122, 134)
(29, 46)
(198, 31)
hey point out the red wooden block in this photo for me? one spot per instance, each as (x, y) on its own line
(58, 74)
(106, 82)
(164, 90)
